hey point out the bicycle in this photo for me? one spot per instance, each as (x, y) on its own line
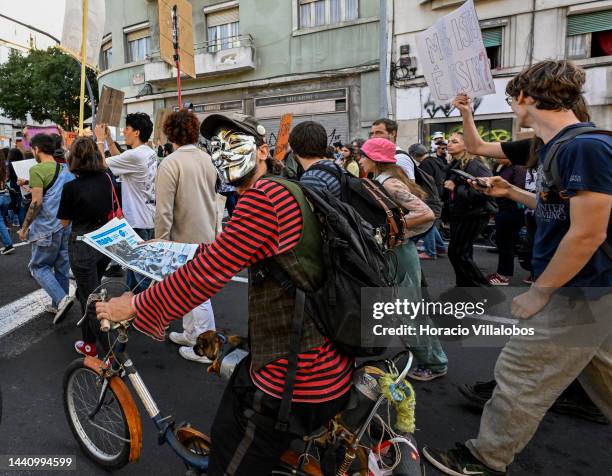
(105, 420)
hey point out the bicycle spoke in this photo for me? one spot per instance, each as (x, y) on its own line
(104, 433)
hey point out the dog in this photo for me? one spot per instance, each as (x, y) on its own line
(215, 346)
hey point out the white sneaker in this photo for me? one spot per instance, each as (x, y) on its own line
(189, 354)
(51, 309)
(62, 308)
(180, 339)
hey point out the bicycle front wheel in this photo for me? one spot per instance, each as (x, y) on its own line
(104, 436)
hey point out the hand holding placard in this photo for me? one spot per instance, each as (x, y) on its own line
(453, 56)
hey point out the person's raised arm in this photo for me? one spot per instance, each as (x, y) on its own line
(474, 143)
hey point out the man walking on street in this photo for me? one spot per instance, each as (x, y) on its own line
(136, 169)
(387, 129)
(49, 264)
(187, 211)
(569, 303)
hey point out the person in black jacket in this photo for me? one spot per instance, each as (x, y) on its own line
(433, 244)
(468, 212)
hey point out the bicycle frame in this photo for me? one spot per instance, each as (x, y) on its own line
(122, 363)
(122, 366)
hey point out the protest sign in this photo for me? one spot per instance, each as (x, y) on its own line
(22, 168)
(283, 137)
(158, 132)
(73, 29)
(110, 107)
(453, 56)
(185, 34)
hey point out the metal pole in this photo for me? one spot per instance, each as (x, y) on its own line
(83, 65)
(177, 58)
(383, 107)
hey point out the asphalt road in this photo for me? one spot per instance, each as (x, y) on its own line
(33, 359)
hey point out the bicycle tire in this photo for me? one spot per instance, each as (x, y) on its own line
(81, 388)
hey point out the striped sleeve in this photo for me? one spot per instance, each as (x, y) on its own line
(250, 236)
(321, 179)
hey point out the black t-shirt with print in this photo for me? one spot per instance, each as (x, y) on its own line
(86, 201)
(517, 151)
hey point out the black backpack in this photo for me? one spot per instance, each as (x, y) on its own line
(428, 184)
(550, 169)
(352, 259)
(372, 202)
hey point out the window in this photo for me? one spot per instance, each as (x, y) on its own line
(589, 35)
(138, 44)
(492, 39)
(106, 61)
(223, 30)
(314, 13)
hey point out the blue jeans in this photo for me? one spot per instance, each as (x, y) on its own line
(433, 241)
(50, 265)
(137, 282)
(5, 201)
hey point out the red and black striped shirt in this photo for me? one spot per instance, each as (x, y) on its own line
(266, 222)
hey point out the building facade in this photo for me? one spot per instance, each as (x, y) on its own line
(316, 59)
(516, 33)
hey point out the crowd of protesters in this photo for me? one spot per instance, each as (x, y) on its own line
(564, 243)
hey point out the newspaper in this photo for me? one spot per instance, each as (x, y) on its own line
(156, 260)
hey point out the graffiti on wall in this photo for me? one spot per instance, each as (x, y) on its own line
(432, 109)
(488, 135)
(333, 136)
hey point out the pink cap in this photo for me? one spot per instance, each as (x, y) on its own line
(379, 150)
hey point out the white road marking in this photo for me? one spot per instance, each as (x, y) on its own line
(23, 310)
(239, 279)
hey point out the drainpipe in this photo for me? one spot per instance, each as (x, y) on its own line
(383, 64)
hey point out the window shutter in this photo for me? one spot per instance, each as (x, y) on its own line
(138, 34)
(107, 46)
(223, 17)
(492, 37)
(589, 22)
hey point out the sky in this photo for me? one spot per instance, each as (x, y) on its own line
(47, 15)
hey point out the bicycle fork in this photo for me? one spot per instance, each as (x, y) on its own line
(165, 425)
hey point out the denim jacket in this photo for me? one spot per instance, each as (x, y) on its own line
(47, 223)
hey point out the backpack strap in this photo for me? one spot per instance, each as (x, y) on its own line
(382, 178)
(282, 423)
(552, 175)
(58, 167)
(335, 170)
(381, 199)
(551, 167)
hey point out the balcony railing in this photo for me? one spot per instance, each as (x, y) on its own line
(220, 44)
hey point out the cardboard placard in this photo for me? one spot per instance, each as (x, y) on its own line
(453, 56)
(185, 31)
(283, 137)
(110, 107)
(158, 132)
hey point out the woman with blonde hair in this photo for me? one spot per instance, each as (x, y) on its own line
(378, 159)
(468, 212)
